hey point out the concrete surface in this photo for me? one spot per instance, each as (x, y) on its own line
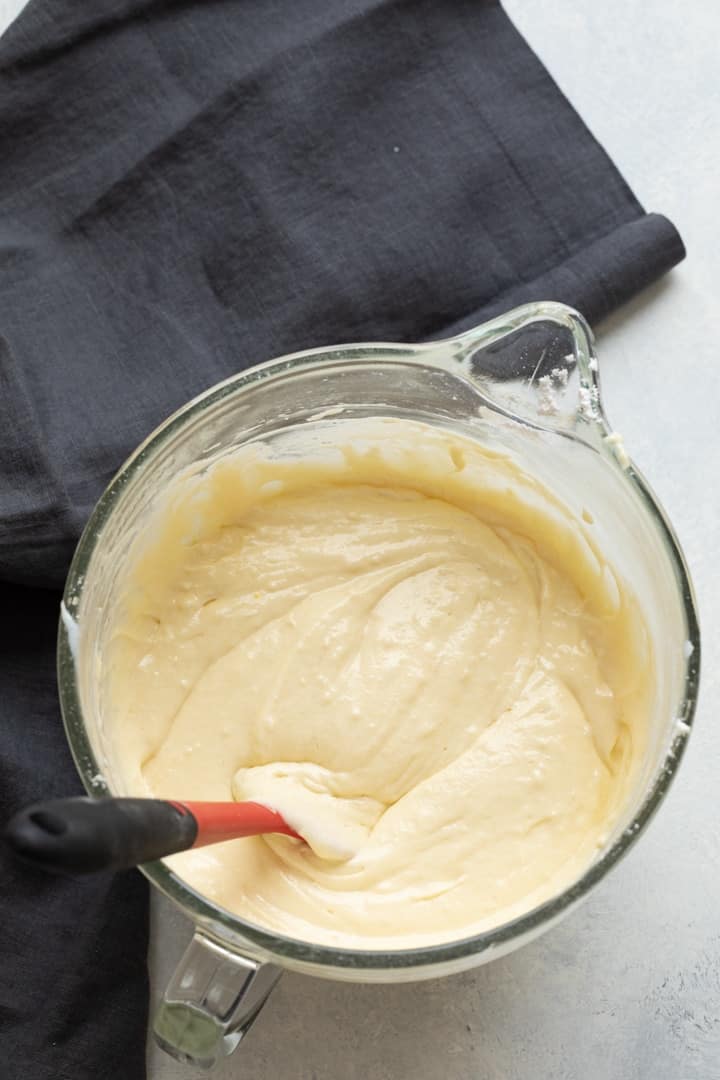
(629, 985)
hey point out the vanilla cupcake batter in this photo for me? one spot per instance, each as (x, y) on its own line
(408, 647)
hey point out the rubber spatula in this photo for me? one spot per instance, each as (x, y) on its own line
(83, 835)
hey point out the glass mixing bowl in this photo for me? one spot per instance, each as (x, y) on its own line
(526, 383)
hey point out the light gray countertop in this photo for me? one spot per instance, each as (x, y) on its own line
(628, 986)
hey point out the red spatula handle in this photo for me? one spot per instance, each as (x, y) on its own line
(218, 821)
(83, 835)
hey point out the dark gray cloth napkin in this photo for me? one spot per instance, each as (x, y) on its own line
(190, 188)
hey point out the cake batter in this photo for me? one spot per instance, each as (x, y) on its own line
(408, 647)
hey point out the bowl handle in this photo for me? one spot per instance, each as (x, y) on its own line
(211, 1002)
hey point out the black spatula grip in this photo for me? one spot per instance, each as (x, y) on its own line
(83, 835)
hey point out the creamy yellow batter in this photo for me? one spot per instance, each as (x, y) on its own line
(408, 647)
